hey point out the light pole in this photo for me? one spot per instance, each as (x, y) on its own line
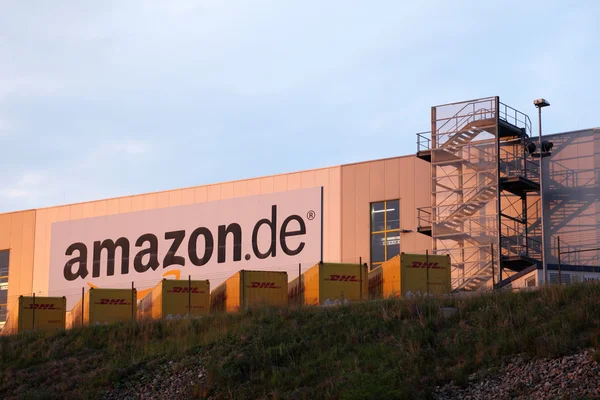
(544, 152)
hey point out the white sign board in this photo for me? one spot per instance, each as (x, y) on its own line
(210, 240)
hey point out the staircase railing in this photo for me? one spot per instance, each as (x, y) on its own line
(516, 243)
(475, 197)
(479, 114)
(478, 109)
(423, 216)
(515, 163)
(514, 117)
(460, 119)
(423, 141)
(562, 177)
(475, 272)
(570, 254)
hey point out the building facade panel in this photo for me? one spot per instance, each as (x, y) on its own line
(214, 192)
(409, 175)
(572, 196)
(365, 184)
(17, 242)
(201, 193)
(377, 180)
(294, 181)
(77, 211)
(253, 188)
(421, 198)
(112, 207)
(100, 209)
(138, 202)
(333, 197)
(174, 198)
(348, 188)
(362, 223)
(187, 196)
(267, 185)
(308, 179)
(391, 189)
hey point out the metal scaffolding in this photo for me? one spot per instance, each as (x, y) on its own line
(480, 180)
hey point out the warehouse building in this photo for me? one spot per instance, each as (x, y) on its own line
(471, 190)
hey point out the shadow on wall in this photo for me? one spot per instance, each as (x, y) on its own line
(572, 198)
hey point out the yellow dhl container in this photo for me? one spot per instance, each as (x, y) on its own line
(104, 306)
(69, 322)
(376, 283)
(39, 314)
(173, 298)
(250, 288)
(328, 283)
(411, 273)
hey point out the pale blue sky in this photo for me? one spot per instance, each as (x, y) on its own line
(107, 98)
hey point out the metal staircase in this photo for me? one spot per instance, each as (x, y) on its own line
(477, 157)
(474, 204)
(461, 138)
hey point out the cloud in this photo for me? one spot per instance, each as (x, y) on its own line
(27, 86)
(30, 179)
(14, 193)
(98, 155)
(25, 187)
(132, 147)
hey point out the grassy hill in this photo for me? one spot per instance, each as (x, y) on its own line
(380, 349)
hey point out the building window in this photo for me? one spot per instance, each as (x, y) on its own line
(4, 255)
(385, 231)
(530, 282)
(564, 278)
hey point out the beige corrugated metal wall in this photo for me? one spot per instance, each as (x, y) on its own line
(406, 178)
(572, 191)
(17, 231)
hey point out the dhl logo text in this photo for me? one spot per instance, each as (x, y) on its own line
(178, 289)
(116, 302)
(419, 264)
(263, 285)
(342, 278)
(42, 307)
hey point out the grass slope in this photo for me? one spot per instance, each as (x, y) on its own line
(381, 349)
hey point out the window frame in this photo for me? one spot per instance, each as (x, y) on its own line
(5, 305)
(385, 231)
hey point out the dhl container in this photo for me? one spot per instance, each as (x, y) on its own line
(376, 283)
(326, 283)
(39, 314)
(414, 273)
(173, 298)
(104, 306)
(250, 288)
(69, 322)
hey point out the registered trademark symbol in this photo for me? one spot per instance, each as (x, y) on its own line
(310, 215)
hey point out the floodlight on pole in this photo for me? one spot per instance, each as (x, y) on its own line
(544, 148)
